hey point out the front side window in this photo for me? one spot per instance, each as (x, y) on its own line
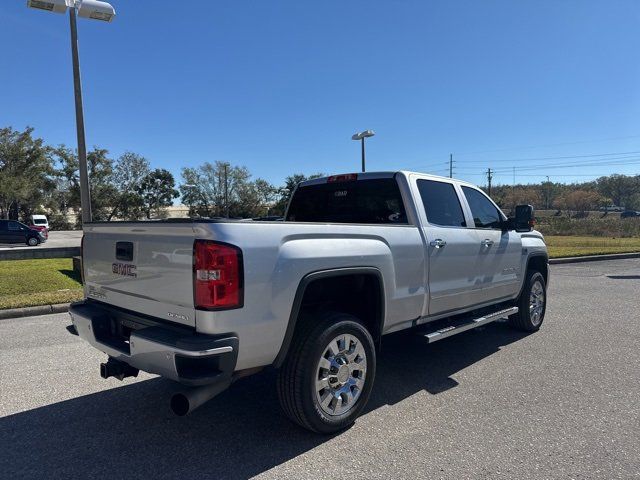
(485, 214)
(441, 203)
(14, 226)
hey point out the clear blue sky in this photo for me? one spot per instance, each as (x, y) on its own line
(280, 86)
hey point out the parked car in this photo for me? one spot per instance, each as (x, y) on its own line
(357, 256)
(40, 221)
(41, 229)
(12, 231)
(611, 208)
(629, 214)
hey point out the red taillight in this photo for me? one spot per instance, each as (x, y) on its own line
(217, 275)
(348, 177)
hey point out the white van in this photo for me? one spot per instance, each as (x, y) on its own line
(40, 221)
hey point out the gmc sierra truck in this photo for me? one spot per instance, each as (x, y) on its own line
(205, 302)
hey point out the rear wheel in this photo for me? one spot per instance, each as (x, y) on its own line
(328, 375)
(532, 304)
(32, 241)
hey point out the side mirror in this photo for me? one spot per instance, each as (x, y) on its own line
(524, 219)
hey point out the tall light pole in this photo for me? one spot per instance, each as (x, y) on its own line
(361, 136)
(95, 10)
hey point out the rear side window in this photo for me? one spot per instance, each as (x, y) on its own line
(485, 214)
(359, 201)
(441, 203)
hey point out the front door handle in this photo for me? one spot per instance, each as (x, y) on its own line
(486, 242)
(438, 243)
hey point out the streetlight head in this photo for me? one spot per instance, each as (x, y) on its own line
(55, 6)
(96, 10)
(361, 135)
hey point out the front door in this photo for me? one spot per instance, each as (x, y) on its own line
(15, 232)
(500, 252)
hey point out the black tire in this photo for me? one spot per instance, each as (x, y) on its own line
(32, 241)
(297, 378)
(525, 320)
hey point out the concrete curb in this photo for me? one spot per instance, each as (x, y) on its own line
(39, 252)
(593, 258)
(32, 311)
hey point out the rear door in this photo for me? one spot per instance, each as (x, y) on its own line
(451, 247)
(499, 260)
(144, 267)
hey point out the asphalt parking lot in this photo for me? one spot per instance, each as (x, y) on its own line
(62, 238)
(491, 403)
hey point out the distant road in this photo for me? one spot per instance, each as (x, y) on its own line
(69, 238)
(491, 403)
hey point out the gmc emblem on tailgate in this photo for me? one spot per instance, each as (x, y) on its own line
(124, 269)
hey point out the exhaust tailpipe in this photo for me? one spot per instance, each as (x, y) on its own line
(187, 401)
(116, 368)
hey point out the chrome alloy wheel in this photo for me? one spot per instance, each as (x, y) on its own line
(536, 303)
(340, 375)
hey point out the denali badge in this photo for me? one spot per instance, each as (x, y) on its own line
(177, 316)
(124, 269)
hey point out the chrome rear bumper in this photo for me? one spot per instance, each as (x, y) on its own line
(172, 351)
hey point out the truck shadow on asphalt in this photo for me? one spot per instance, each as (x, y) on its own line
(128, 431)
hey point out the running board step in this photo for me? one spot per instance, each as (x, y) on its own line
(467, 324)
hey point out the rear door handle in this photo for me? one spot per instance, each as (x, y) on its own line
(486, 242)
(438, 243)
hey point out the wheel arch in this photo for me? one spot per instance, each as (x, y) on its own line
(375, 325)
(538, 262)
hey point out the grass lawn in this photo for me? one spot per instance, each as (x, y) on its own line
(569, 246)
(26, 283)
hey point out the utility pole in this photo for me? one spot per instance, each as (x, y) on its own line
(514, 176)
(548, 195)
(451, 165)
(226, 192)
(489, 178)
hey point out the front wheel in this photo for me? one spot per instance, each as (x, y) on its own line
(328, 375)
(532, 304)
(32, 241)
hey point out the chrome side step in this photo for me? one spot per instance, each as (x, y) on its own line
(467, 324)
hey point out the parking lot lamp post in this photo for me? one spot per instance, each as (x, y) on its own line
(95, 10)
(361, 136)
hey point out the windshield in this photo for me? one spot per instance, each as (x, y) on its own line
(360, 201)
(39, 221)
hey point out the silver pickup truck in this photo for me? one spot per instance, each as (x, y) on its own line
(205, 302)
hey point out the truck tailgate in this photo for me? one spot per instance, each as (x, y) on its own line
(145, 267)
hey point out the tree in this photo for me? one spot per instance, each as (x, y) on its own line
(26, 172)
(285, 192)
(156, 191)
(219, 189)
(579, 201)
(129, 172)
(621, 189)
(520, 196)
(103, 193)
